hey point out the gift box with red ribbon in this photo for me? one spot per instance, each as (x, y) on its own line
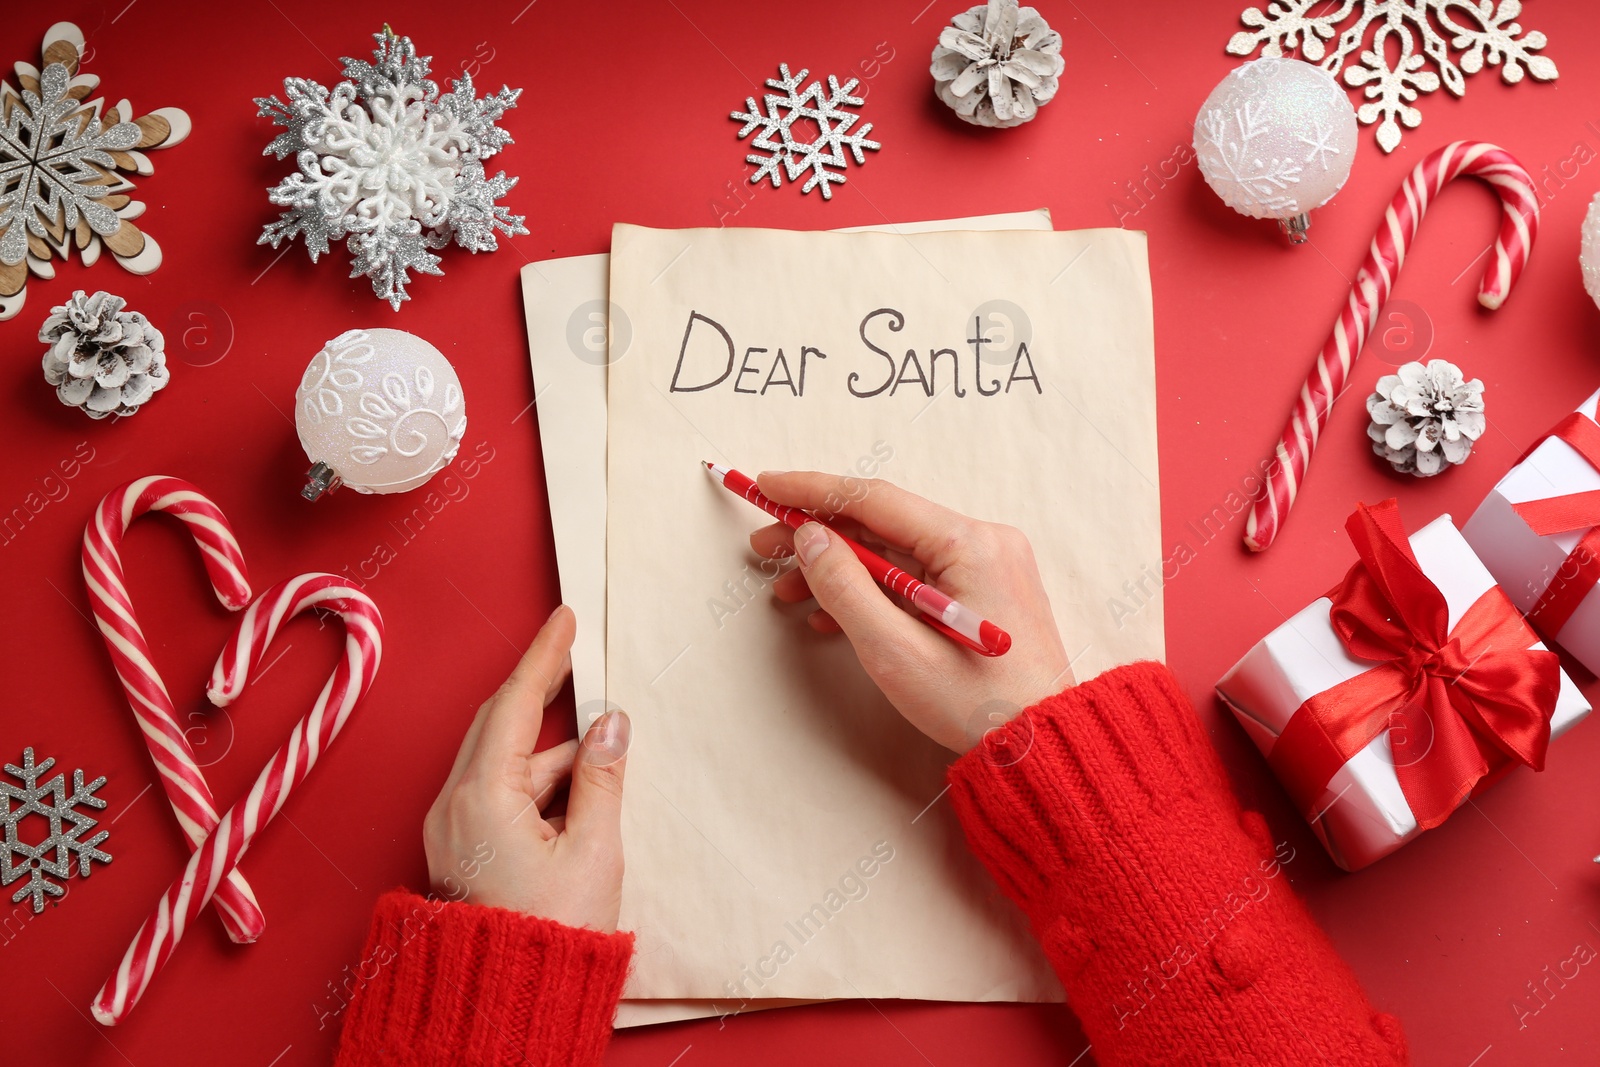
(1538, 532)
(1413, 684)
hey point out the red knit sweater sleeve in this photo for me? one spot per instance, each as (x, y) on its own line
(1105, 814)
(443, 983)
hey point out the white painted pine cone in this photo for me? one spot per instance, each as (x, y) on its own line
(996, 63)
(102, 359)
(1425, 418)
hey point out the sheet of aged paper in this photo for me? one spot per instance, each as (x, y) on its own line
(564, 301)
(785, 830)
(570, 341)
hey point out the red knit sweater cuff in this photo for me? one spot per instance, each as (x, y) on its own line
(1105, 814)
(1102, 760)
(445, 983)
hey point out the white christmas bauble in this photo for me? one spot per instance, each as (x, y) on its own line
(1275, 139)
(1589, 250)
(380, 411)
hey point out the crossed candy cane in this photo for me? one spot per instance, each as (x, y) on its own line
(214, 859)
(185, 786)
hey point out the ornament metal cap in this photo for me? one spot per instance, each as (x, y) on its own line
(1295, 227)
(320, 479)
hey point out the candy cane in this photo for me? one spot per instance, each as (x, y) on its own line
(162, 931)
(185, 786)
(1519, 203)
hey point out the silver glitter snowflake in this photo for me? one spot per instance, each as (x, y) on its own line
(787, 155)
(1481, 31)
(391, 166)
(54, 855)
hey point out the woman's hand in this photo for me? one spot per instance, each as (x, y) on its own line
(948, 692)
(485, 836)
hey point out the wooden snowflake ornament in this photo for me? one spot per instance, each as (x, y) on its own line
(65, 163)
(1385, 46)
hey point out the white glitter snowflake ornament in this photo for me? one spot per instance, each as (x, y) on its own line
(53, 856)
(66, 163)
(788, 156)
(391, 166)
(1416, 31)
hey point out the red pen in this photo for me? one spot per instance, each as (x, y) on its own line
(959, 623)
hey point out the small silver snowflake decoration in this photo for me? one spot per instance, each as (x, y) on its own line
(788, 156)
(1425, 418)
(53, 856)
(1419, 31)
(391, 166)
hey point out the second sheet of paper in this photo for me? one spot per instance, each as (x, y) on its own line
(795, 841)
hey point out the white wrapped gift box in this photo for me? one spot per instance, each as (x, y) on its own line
(1525, 563)
(1362, 815)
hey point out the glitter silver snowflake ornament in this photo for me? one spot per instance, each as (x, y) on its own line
(997, 63)
(1481, 32)
(1425, 418)
(788, 156)
(391, 166)
(53, 857)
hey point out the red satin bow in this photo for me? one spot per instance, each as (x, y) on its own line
(1457, 704)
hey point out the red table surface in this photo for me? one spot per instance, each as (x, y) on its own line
(624, 117)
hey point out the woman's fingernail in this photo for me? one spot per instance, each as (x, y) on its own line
(769, 474)
(607, 740)
(809, 541)
(554, 613)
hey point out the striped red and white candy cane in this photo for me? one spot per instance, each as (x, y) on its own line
(1519, 203)
(363, 648)
(158, 720)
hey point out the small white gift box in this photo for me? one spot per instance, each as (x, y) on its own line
(1525, 563)
(1362, 815)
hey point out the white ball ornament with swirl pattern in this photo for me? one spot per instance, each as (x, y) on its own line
(380, 411)
(1276, 139)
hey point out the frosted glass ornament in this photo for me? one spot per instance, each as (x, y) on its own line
(1589, 250)
(1276, 139)
(378, 410)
